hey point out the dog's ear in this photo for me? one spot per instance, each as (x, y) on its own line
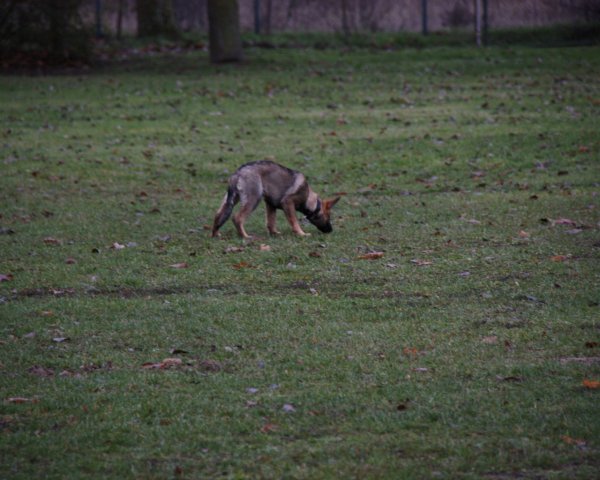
(329, 203)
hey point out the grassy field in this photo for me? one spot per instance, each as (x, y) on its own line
(134, 346)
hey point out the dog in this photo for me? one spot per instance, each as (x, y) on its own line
(281, 188)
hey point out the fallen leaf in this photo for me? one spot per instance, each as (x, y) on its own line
(22, 400)
(410, 351)
(179, 265)
(40, 371)
(117, 246)
(421, 263)
(268, 428)
(6, 277)
(210, 366)
(573, 441)
(70, 261)
(60, 339)
(491, 340)
(52, 241)
(233, 249)
(563, 221)
(368, 188)
(265, 248)
(523, 234)
(559, 258)
(288, 408)
(166, 363)
(170, 362)
(239, 266)
(591, 384)
(371, 256)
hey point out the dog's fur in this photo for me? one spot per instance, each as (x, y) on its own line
(280, 187)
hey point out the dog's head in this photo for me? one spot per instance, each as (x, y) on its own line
(321, 217)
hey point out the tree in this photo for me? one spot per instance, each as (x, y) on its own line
(225, 43)
(155, 17)
(43, 32)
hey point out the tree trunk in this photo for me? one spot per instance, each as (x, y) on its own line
(478, 22)
(155, 17)
(225, 43)
(268, 17)
(120, 19)
(345, 24)
(257, 17)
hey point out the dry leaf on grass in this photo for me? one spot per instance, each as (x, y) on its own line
(573, 441)
(179, 265)
(268, 428)
(591, 384)
(22, 400)
(240, 265)
(166, 363)
(371, 256)
(421, 263)
(491, 340)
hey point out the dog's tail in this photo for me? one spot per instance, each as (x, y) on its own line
(225, 210)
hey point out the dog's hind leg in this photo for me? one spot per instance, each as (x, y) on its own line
(240, 218)
(250, 192)
(271, 218)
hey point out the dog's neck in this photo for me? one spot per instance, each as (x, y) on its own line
(305, 210)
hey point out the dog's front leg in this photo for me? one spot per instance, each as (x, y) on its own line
(271, 218)
(290, 213)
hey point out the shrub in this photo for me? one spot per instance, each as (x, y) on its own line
(38, 32)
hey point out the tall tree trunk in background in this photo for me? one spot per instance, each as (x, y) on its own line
(120, 8)
(225, 43)
(478, 22)
(345, 24)
(155, 17)
(257, 17)
(268, 17)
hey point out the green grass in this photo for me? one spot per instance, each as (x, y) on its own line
(459, 354)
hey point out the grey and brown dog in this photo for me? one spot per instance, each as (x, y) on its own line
(281, 188)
